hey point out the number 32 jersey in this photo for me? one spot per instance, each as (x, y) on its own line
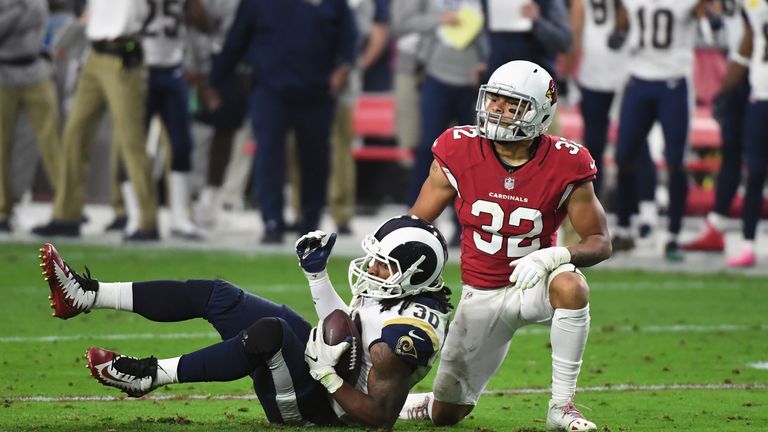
(505, 215)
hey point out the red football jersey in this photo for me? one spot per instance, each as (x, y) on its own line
(506, 216)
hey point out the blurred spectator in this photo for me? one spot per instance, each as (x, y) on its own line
(113, 78)
(751, 55)
(601, 74)
(164, 39)
(533, 30)
(662, 39)
(25, 83)
(301, 53)
(406, 31)
(728, 109)
(223, 109)
(449, 89)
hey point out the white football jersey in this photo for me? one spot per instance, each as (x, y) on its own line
(601, 69)
(661, 38)
(757, 13)
(733, 23)
(415, 336)
(164, 32)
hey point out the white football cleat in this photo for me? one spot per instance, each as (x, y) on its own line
(129, 374)
(416, 407)
(567, 418)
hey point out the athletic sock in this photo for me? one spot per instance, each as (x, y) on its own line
(167, 371)
(568, 337)
(716, 220)
(114, 295)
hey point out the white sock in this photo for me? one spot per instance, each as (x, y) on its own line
(748, 246)
(716, 220)
(132, 209)
(166, 371)
(114, 295)
(672, 237)
(648, 212)
(568, 337)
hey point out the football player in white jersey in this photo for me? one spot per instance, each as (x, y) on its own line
(163, 39)
(753, 56)
(728, 109)
(400, 306)
(601, 74)
(661, 42)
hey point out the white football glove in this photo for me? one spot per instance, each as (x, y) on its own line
(530, 269)
(321, 359)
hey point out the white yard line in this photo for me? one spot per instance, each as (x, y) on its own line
(614, 388)
(530, 330)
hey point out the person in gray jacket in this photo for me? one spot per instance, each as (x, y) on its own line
(25, 83)
(449, 87)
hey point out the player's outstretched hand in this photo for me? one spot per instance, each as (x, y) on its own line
(321, 359)
(535, 266)
(314, 249)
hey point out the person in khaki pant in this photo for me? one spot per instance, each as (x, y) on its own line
(113, 78)
(25, 83)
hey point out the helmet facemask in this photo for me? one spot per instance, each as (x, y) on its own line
(524, 124)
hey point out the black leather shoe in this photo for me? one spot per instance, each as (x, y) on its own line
(344, 229)
(5, 226)
(57, 227)
(142, 236)
(118, 224)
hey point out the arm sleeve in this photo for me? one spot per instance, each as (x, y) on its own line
(324, 296)
(413, 341)
(11, 16)
(553, 29)
(236, 44)
(348, 36)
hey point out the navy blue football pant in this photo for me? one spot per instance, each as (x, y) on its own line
(595, 109)
(645, 102)
(281, 378)
(729, 112)
(168, 96)
(441, 104)
(309, 112)
(756, 160)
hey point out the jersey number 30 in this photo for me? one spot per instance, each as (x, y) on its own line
(520, 214)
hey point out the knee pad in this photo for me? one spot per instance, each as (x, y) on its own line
(262, 339)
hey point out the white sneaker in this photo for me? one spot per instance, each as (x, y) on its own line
(567, 418)
(416, 407)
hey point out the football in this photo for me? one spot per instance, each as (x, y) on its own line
(337, 327)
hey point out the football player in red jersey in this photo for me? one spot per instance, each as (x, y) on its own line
(512, 186)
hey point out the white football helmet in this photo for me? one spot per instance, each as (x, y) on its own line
(536, 93)
(413, 251)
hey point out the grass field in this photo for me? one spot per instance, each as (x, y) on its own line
(667, 352)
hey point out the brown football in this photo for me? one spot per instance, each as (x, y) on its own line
(338, 327)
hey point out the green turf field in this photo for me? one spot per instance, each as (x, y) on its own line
(667, 352)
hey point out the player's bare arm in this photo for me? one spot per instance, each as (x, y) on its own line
(588, 218)
(738, 64)
(388, 385)
(436, 194)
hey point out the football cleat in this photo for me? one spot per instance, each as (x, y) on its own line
(416, 407)
(710, 239)
(567, 418)
(129, 374)
(745, 258)
(71, 293)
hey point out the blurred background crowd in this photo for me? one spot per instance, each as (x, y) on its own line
(315, 112)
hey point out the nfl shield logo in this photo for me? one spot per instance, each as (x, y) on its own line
(509, 183)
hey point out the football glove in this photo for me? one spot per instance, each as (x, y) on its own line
(321, 358)
(530, 269)
(314, 249)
